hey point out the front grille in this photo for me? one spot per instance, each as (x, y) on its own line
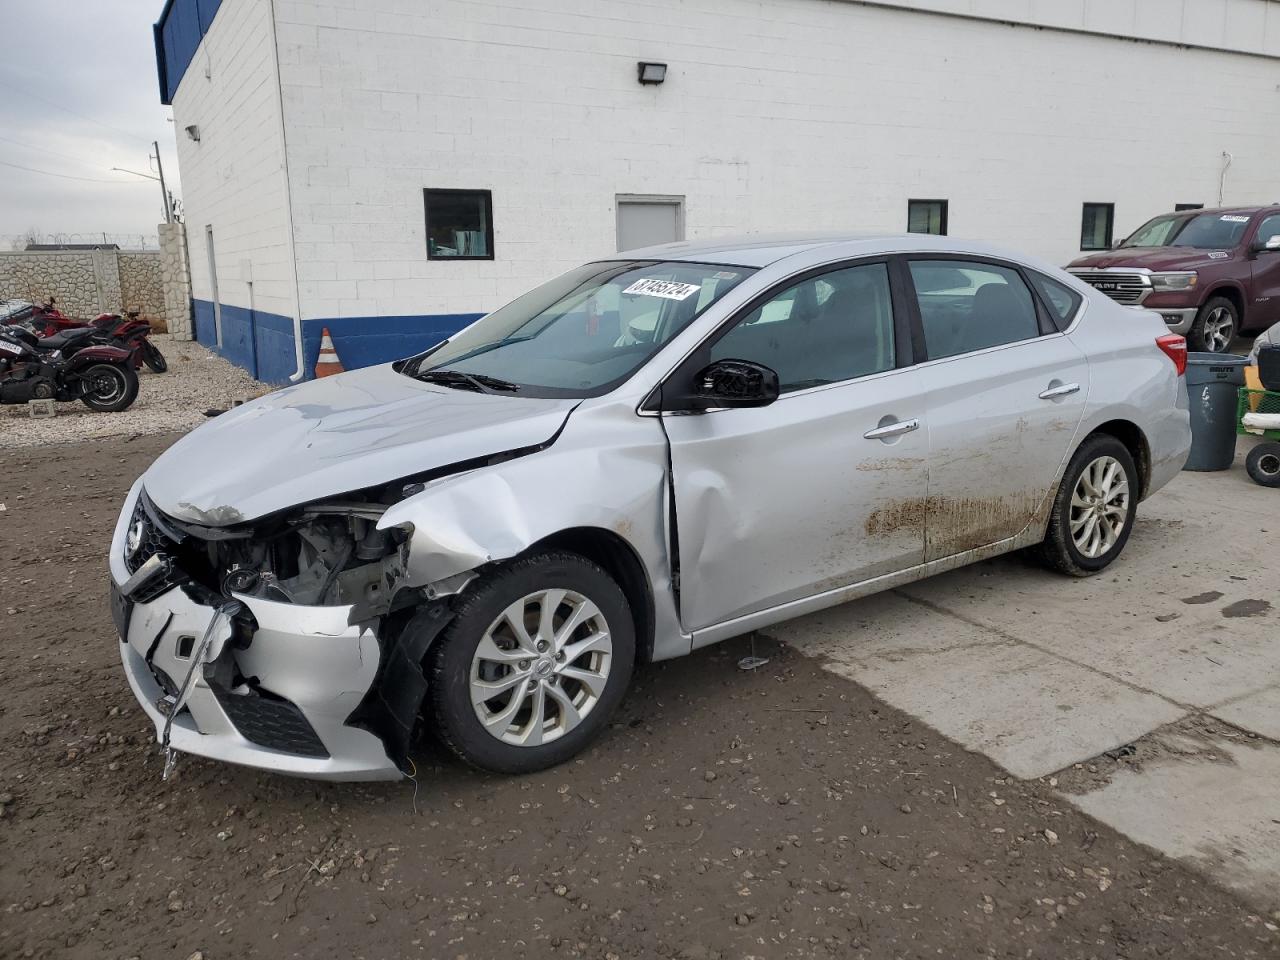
(271, 723)
(153, 542)
(1131, 288)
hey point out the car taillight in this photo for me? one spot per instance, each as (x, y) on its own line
(1175, 348)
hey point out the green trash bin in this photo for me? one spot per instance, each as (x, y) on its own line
(1213, 384)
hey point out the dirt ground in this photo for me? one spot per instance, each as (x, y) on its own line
(778, 813)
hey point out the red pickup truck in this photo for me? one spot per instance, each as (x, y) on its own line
(1209, 273)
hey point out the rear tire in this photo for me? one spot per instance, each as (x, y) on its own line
(1216, 324)
(108, 387)
(153, 358)
(550, 638)
(1094, 508)
(1263, 464)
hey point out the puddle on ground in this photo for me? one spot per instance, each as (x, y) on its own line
(1208, 597)
(1246, 608)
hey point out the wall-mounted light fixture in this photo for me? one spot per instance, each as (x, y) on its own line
(193, 132)
(651, 72)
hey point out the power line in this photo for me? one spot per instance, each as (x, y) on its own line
(64, 176)
(74, 113)
(44, 150)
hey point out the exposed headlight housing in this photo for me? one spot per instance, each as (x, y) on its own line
(1169, 282)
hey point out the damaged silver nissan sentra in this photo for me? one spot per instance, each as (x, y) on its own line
(642, 457)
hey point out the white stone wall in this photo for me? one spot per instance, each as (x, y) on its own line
(141, 287)
(233, 177)
(67, 276)
(776, 115)
(85, 283)
(175, 281)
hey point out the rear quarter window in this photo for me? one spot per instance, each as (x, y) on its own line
(1063, 302)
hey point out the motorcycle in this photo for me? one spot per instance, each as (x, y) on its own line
(111, 329)
(101, 377)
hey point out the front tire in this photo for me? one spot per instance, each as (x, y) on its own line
(1215, 326)
(1094, 509)
(536, 659)
(1263, 464)
(108, 387)
(153, 358)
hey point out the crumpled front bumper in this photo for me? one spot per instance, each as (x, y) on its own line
(309, 669)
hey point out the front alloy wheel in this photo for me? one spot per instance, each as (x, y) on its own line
(536, 658)
(541, 667)
(1215, 326)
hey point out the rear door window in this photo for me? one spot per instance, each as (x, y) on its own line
(967, 306)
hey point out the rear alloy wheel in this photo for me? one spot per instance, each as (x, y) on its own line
(108, 387)
(1215, 326)
(1094, 509)
(1263, 464)
(535, 660)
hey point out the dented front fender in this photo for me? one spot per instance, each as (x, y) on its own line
(607, 472)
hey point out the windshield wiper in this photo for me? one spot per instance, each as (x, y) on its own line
(479, 382)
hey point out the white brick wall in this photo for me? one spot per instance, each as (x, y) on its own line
(776, 115)
(233, 178)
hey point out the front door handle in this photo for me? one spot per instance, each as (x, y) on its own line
(895, 429)
(1062, 390)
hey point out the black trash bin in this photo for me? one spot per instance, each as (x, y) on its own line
(1213, 386)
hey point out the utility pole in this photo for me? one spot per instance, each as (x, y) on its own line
(168, 210)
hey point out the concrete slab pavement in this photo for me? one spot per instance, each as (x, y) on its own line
(1043, 673)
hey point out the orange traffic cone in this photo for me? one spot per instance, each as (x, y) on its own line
(327, 364)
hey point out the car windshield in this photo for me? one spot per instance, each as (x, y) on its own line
(581, 334)
(1206, 231)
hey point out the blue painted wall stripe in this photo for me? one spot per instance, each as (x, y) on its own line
(262, 343)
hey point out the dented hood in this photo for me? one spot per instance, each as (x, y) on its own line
(332, 436)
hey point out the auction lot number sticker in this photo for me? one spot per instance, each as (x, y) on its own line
(667, 289)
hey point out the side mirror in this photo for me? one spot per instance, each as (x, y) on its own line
(734, 383)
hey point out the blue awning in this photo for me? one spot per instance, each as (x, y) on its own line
(178, 32)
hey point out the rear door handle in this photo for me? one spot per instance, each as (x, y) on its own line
(1062, 390)
(895, 429)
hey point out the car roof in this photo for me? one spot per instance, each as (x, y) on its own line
(761, 251)
(1242, 211)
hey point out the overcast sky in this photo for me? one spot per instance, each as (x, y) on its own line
(78, 96)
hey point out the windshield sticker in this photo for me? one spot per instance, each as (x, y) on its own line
(724, 275)
(667, 289)
(1219, 255)
(1230, 218)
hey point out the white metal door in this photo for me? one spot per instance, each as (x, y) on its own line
(213, 283)
(646, 221)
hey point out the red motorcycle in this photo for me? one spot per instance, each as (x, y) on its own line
(110, 329)
(101, 377)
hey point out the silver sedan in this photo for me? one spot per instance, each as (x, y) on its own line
(644, 456)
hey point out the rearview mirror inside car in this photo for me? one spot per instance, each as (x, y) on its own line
(734, 383)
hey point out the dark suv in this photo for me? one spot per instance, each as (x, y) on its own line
(1210, 273)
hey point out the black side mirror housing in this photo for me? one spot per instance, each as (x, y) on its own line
(732, 384)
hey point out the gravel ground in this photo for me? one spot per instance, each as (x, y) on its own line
(784, 812)
(196, 381)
